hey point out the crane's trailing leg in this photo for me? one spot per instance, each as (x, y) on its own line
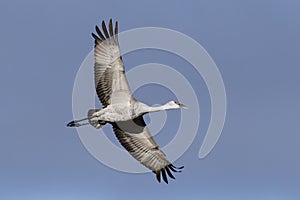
(92, 120)
(76, 123)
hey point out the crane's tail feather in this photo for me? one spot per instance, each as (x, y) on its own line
(93, 120)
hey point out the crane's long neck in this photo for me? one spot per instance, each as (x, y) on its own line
(156, 108)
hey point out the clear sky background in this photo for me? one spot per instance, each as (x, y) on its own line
(255, 44)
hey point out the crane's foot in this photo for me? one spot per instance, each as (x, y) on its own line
(73, 124)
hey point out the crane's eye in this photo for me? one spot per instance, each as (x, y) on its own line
(177, 102)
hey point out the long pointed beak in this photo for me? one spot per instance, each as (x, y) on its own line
(183, 106)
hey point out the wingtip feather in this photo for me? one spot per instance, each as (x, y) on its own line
(169, 173)
(104, 29)
(163, 172)
(99, 32)
(116, 28)
(110, 27)
(158, 176)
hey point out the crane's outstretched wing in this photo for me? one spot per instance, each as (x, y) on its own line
(110, 80)
(136, 139)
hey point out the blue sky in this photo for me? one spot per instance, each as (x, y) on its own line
(255, 45)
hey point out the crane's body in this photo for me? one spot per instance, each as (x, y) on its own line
(120, 109)
(124, 112)
(116, 112)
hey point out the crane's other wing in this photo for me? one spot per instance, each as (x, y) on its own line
(110, 80)
(137, 140)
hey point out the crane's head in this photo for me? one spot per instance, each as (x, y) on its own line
(175, 105)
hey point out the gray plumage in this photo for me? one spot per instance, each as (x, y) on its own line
(120, 109)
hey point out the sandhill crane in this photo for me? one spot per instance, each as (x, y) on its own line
(121, 109)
